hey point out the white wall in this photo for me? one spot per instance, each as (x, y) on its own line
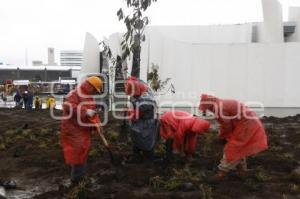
(294, 15)
(91, 57)
(239, 33)
(267, 73)
(271, 30)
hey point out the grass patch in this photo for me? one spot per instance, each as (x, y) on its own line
(178, 178)
(294, 188)
(78, 192)
(2, 147)
(206, 191)
(262, 175)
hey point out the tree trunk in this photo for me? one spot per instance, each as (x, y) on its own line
(136, 61)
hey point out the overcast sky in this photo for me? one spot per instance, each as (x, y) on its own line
(37, 24)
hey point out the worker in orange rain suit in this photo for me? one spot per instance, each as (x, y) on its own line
(143, 125)
(180, 129)
(240, 128)
(79, 108)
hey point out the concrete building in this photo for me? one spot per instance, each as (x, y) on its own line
(70, 58)
(51, 57)
(37, 73)
(257, 63)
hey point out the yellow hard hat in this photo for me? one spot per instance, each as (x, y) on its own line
(96, 82)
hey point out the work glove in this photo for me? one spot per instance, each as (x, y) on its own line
(90, 113)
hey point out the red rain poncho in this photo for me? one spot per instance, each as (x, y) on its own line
(75, 138)
(184, 128)
(134, 88)
(239, 125)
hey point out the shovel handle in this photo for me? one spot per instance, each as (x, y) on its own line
(104, 140)
(102, 137)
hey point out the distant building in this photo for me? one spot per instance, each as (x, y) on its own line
(37, 73)
(37, 63)
(71, 58)
(51, 57)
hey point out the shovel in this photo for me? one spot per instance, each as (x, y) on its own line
(106, 145)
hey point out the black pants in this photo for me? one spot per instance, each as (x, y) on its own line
(169, 150)
(78, 172)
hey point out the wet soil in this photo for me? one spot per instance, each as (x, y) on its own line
(30, 153)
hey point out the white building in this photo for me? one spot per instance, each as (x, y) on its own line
(70, 58)
(51, 57)
(257, 63)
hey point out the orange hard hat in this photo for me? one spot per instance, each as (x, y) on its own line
(96, 82)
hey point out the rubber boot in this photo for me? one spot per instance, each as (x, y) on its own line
(219, 177)
(242, 171)
(189, 157)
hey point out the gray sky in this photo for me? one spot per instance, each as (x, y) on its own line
(38, 24)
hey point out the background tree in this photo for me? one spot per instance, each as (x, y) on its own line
(135, 23)
(156, 83)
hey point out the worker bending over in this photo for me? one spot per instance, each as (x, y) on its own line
(240, 128)
(180, 129)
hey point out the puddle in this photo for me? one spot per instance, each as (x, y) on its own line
(32, 189)
(2, 193)
(28, 193)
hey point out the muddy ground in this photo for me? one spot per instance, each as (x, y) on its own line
(30, 153)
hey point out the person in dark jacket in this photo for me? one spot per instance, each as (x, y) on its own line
(18, 99)
(30, 101)
(143, 125)
(25, 99)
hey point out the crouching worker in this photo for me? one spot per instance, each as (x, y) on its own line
(180, 129)
(79, 109)
(240, 128)
(143, 125)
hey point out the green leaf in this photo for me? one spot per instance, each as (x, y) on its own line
(146, 20)
(127, 36)
(131, 38)
(120, 14)
(128, 3)
(123, 47)
(126, 53)
(109, 53)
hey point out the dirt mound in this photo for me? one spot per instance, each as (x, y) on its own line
(30, 153)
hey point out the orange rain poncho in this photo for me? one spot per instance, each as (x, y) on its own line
(184, 128)
(239, 125)
(75, 138)
(134, 88)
